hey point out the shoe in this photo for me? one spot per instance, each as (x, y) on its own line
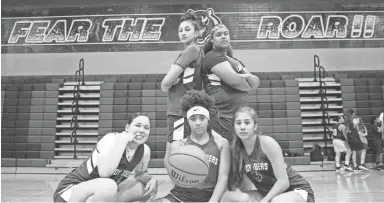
(379, 167)
(337, 168)
(363, 167)
(357, 169)
(348, 168)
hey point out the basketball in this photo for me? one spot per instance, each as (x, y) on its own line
(188, 166)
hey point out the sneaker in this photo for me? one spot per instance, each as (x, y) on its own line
(356, 169)
(337, 168)
(379, 167)
(363, 167)
(348, 168)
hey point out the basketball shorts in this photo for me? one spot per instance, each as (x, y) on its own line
(378, 144)
(222, 126)
(64, 195)
(355, 143)
(340, 145)
(303, 193)
(180, 195)
(175, 122)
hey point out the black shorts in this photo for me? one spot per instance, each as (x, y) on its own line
(223, 126)
(355, 143)
(58, 198)
(378, 144)
(180, 195)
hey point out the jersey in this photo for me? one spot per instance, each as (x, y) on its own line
(376, 135)
(204, 192)
(191, 60)
(259, 170)
(226, 97)
(88, 170)
(337, 131)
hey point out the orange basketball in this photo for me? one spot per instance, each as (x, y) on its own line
(189, 166)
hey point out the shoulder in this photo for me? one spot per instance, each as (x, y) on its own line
(267, 143)
(214, 55)
(192, 49)
(265, 139)
(270, 147)
(147, 150)
(212, 58)
(110, 137)
(107, 142)
(219, 140)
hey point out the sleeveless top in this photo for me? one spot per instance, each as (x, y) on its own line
(339, 134)
(205, 190)
(88, 170)
(259, 170)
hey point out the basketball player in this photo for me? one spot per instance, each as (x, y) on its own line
(226, 79)
(378, 142)
(354, 141)
(196, 106)
(115, 171)
(259, 159)
(363, 133)
(340, 144)
(184, 74)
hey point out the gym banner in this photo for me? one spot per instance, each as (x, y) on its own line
(161, 28)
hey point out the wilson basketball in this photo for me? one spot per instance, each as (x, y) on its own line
(189, 166)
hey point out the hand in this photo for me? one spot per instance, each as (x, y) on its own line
(176, 81)
(127, 136)
(245, 76)
(151, 188)
(175, 146)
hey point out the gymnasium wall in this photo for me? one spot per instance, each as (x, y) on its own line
(270, 36)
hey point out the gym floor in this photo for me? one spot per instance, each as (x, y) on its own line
(329, 186)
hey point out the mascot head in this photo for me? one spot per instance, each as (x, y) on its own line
(206, 19)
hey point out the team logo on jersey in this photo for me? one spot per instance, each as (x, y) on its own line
(207, 20)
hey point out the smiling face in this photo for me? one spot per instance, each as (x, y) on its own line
(245, 126)
(220, 38)
(140, 128)
(187, 32)
(198, 124)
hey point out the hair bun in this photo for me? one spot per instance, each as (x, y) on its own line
(188, 16)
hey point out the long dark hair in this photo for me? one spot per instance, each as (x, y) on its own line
(237, 149)
(349, 119)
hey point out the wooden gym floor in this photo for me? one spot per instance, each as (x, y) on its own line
(329, 186)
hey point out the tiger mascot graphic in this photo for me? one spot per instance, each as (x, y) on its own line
(206, 20)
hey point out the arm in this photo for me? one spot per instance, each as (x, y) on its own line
(111, 149)
(225, 72)
(141, 170)
(167, 153)
(171, 148)
(274, 154)
(222, 181)
(364, 134)
(252, 80)
(190, 54)
(343, 130)
(171, 77)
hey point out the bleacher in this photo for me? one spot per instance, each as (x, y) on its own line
(31, 112)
